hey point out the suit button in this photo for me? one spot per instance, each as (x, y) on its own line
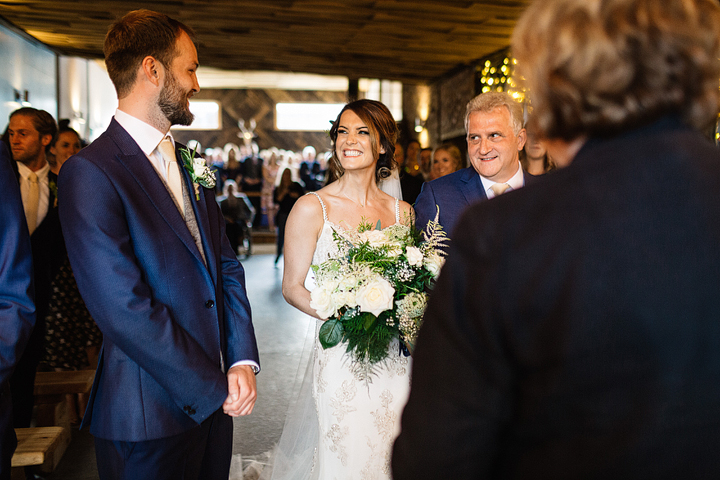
(187, 408)
(191, 412)
(210, 304)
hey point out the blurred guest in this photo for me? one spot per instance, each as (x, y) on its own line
(426, 162)
(232, 169)
(65, 144)
(251, 175)
(270, 172)
(574, 332)
(534, 157)
(238, 212)
(446, 160)
(286, 194)
(308, 169)
(17, 311)
(30, 131)
(411, 178)
(399, 154)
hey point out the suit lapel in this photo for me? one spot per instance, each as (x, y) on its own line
(138, 165)
(471, 186)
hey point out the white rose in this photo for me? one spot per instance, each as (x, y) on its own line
(321, 299)
(414, 256)
(434, 263)
(374, 237)
(376, 296)
(199, 165)
(346, 298)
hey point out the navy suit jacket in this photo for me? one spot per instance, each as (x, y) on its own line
(17, 310)
(168, 321)
(452, 193)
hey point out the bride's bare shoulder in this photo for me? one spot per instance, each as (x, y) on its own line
(308, 207)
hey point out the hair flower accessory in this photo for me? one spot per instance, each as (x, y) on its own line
(200, 173)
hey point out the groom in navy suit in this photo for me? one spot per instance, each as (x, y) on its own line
(155, 268)
(495, 136)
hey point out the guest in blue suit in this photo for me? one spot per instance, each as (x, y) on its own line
(17, 310)
(495, 136)
(156, 270)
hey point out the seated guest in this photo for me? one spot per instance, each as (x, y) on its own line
(573, 332)
(495, 136)
(238, 212)
(446, 160)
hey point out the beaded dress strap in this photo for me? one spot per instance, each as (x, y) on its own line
(322, 204)
(397, 210)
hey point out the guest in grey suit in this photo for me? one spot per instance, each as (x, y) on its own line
(495, 136)
(574, 333)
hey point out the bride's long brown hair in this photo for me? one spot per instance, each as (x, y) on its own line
(383, 133)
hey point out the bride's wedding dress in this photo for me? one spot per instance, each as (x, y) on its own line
(356, 412)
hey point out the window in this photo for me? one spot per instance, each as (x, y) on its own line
(306, 117)
(207, 116)
(385, 91)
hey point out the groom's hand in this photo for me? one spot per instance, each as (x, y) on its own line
(241, 391)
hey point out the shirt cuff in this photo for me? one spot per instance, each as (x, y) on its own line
(255, 367)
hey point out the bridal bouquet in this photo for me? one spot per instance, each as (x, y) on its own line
(375, 290)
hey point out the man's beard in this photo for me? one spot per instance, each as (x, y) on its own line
(173, 102)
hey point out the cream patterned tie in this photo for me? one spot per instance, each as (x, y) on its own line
(499, 188)
(33, 198)
(173, 174)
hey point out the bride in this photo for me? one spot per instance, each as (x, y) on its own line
(356, 419)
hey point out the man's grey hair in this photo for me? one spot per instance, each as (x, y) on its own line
(489, 101)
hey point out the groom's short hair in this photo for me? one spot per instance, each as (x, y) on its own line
(139, 34)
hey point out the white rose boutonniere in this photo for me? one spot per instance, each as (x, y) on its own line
(200, 173)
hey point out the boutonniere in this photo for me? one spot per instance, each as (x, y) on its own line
(200, 173)
(53, 189)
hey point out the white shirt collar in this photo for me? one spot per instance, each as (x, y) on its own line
(41, 174)
(515, 182)
(145, 135)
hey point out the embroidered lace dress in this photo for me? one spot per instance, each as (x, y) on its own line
(358, 411)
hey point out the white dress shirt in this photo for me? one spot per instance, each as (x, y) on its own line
(147, 137)
(515, 182)
(43, 189)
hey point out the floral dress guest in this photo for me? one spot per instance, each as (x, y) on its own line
(350, 422)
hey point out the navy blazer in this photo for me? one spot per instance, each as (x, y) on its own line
(452, 194)
(168, 321)
(17, 310)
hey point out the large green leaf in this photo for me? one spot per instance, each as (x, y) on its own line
(331, 333)
(368, 320)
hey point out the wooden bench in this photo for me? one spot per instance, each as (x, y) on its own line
(42, 446)
(50, 391)
(60, 383)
